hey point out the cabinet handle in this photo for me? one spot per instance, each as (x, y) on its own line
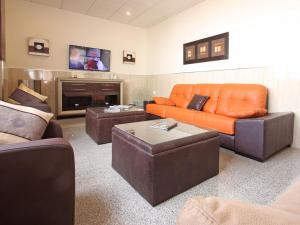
(106, 89)
(78, 89)
(81, 84)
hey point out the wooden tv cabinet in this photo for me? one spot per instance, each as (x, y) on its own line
(75, 95)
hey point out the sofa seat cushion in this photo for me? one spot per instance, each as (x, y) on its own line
(159, 110)
(242, 100)
(163, 101)
(220, 123)
(210, 90)
(247, 113)
(10, 139)
(180, 114)
(217, 211)
(181, 94)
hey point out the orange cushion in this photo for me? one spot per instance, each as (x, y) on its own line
(242, 100)
(182, 94)
(247, 113)
(211, 90)
(180, 114)
(220, 123)
(163, 101)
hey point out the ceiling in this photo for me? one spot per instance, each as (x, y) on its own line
(143, 13)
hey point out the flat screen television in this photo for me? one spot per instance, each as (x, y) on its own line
(92, 59)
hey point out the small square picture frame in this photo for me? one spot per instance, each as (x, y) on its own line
(203, 50)
(129, 57)
(38, 46)
(190, 53)
(218, 47)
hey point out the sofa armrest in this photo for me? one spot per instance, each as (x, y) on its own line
(163, 101)
(145, 103)
(217, 211)
(53, 130)
(263, 136)
(37, 183)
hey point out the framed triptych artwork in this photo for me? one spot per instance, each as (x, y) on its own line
(207, 49)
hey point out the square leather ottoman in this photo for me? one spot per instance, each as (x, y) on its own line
(160, 164)
(99, 123)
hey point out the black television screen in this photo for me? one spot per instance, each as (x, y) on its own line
(93, 59)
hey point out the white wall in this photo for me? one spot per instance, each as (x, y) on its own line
(262, 33)
(24, 19)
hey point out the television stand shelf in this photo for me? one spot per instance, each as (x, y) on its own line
(75, 95)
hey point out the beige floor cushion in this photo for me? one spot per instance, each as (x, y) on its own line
(216, 211)
(290, 199)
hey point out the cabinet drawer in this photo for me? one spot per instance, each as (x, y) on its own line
(75, 87)
(106, 87)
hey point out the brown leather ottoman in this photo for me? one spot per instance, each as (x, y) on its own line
(160, 164)
(100, 123)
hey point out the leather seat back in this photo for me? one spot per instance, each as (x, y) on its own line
(181, 94)
(211, 90)
(236, 98)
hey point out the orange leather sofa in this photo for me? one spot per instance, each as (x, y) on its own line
(235, 110)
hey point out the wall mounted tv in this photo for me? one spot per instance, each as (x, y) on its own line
(92, 59)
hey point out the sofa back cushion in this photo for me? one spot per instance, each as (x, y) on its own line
(181, 94)
(210, 90)
(242, 100)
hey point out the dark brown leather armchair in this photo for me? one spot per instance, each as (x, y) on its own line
(37, 181)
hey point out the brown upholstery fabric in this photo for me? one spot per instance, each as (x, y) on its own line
(261, 137)
(158, 172)
(32, 92)
(198, 102)
(37, 183)
(24, 97)
(40, 106)
(99, 124)
(23, 121)
(53, 130)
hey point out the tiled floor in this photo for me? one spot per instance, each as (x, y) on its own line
(103, 197)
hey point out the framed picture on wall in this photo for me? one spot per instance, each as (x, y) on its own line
(203, 50)
(207, 49)
(189, 53)
(218, 47)
(38, 46)
(129, 57)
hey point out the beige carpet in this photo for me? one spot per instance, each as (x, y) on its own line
(105, 198)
